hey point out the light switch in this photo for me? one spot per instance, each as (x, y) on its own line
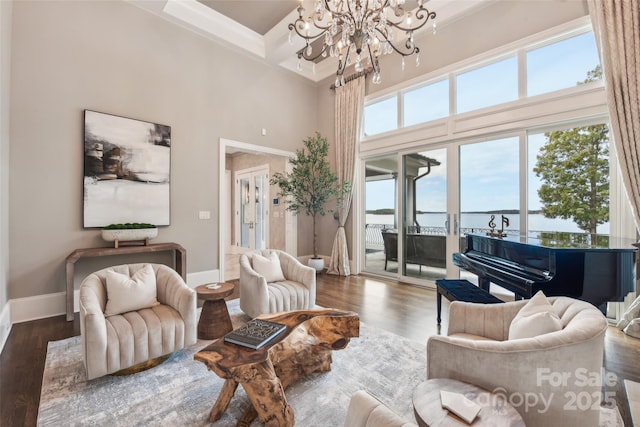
(204, 214)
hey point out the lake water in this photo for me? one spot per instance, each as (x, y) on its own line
(537, 222)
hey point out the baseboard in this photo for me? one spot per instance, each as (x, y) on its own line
(202, 277)
(5, 324)
(49, 305)
(39, 306)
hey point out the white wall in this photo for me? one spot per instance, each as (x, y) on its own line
(113, 57)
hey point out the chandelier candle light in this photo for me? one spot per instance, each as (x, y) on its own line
(359, 28)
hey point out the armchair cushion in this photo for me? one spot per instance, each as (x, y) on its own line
(295, 291)
(268, 267)
(537, 317)
(365, 410)
(126, 293)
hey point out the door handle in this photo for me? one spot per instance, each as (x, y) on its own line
(455, 224)
(446, 225)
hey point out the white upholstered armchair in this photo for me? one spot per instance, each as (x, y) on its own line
(272, 281)
(133, 313)
(561, 367)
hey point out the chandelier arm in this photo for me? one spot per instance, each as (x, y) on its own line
(342, 64)
(302, 23)
(374, 60)
(410, 47)
(420, 15)
(302, 54)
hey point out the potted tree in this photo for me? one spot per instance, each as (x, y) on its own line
(310, 185)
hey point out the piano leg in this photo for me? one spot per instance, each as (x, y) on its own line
(483, 283)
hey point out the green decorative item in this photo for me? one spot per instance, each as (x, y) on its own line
(129, 232)
(311, 184)
(129, 226)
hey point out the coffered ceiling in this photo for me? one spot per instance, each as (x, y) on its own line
(260, 26)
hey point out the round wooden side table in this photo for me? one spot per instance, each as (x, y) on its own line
(214, 320)
(495, 412)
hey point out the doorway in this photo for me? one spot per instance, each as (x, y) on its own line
(261, 220)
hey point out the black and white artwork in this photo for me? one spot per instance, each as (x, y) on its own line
(127, 166)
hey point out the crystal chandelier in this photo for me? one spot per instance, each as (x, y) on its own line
(362, 29)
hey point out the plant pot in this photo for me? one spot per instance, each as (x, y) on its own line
(129, 234)
(317, 263)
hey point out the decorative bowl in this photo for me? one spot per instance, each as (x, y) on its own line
(129, 234)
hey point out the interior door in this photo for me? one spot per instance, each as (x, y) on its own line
(252, 214)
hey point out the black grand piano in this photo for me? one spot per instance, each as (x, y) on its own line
(596, 275)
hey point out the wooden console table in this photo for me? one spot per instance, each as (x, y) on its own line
(180, 261)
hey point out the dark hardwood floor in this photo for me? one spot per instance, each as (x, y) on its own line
(400, 308)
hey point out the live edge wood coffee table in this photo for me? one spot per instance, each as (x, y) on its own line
(304, 347)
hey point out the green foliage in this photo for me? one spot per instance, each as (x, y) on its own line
(129, 226)
(311, 184)
(574, 167)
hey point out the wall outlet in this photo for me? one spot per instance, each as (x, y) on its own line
(204, 215)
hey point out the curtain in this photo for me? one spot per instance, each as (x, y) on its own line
(349, 102)
(616, 25)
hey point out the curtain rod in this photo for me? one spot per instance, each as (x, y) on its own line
(354, 76)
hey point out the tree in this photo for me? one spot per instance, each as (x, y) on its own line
(574, 168)
(311, 183)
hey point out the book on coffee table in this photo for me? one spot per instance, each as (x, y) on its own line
(255, 334)
(459, 405)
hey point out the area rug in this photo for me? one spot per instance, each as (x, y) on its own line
(181, 391)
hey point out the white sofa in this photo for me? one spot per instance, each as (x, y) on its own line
(112, 343)
(562, 367)
(258, 296)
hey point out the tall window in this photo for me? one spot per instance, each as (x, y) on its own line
(561, 65)
(549, 67)
(381, 116)
(489, 185)
(490, 85)
(568, 184)
(426, 103)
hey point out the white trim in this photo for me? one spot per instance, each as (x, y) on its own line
(40, 306)
(212, 22)
(5, 324)
(49, 305)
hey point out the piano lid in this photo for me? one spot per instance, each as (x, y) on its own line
(560, 241)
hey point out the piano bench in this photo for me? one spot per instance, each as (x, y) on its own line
(462, 290)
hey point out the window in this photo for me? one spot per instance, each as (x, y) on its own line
(489, 185)
(568, 184)
(561, 65)
(426, 103)
(486, 86)
(381, 116)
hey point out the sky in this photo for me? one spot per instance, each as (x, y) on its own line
(489, 177)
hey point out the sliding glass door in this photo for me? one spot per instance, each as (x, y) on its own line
(427, 221)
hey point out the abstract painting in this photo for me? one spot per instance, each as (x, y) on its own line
(127, 165)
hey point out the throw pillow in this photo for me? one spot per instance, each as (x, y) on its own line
(537, 317)
(268, 267)
(126, 293)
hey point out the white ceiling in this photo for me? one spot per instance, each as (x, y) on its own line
(260, 26)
